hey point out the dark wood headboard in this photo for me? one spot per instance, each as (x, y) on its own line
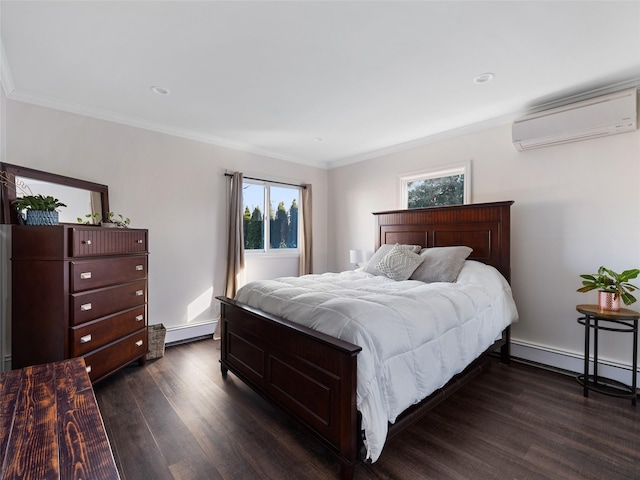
(485, 227)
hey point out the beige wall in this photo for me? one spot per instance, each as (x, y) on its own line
(577, 206)
(173, 186)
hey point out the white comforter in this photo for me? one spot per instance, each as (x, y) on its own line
(414, 336)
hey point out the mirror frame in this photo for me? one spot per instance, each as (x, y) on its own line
(9, 215)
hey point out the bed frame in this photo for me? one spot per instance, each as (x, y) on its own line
(312, 376)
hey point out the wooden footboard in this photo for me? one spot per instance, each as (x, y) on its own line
(310, 375)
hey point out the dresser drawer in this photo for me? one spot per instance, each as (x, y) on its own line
(88, 274)
(94, 304)
(92, 335)
(96, 241)
(116, 355)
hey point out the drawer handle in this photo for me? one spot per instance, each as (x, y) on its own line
(138, 241)
(85, 275)
(139, 318)
(85, 339)
(139, 268)
(87, 242)
(139, 293)
(85, 307)
(88, 368)
(139, 343)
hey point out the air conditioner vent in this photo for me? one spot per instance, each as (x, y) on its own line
(597, 117)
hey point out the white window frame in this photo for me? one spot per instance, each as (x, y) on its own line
(266, 230)
(447, 171)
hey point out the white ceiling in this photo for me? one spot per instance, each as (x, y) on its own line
(276, 77)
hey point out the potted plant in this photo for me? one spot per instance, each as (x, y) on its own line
(92, 219)
(110, 222)
(611, 287)
(41, 210)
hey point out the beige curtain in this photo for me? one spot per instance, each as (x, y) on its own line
(306, 242)
(235, 247)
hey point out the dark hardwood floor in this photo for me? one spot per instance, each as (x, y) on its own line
(176, 418)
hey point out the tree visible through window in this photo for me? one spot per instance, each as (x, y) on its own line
(279, 226)
(437, 188)
(434, 192)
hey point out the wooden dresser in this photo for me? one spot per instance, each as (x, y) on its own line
(79, 291)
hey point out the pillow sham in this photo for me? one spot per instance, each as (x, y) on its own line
(399, 263)
(377, 257)
(441, 264)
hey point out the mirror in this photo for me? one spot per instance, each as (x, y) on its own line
(80, 196)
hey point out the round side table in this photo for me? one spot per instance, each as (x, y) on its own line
(624, 320)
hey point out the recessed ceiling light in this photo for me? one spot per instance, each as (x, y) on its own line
(160, 90)
(483, 78)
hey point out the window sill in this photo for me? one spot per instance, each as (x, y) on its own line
(271, 255)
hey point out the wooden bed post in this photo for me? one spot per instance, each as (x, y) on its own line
(346, 471)
(505, 350)
(309, 375)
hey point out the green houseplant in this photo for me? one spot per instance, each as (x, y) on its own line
(614, 284)
(120, 222)
(116, 220)
(40, 210)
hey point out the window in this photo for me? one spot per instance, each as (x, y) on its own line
(278, 229)
(446, 186)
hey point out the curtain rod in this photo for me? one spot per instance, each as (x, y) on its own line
(269, 181)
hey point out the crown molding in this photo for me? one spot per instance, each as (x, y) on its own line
(486, 124)
(109, 116)
(5, 73)
(48, 102)
(426, 140)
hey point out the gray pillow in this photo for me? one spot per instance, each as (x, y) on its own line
(399, 263)
(371, 266)
(441, 264)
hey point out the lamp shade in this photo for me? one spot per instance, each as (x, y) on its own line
(357, 256)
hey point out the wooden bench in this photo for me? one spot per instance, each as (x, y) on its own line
(50, 425)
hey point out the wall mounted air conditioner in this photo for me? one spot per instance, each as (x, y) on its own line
(596, 117)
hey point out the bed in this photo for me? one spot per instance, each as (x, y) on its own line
(313, 376)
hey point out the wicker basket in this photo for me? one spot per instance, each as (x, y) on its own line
(156, 341)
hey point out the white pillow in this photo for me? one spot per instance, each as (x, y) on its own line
(399, 263)
(371, 266)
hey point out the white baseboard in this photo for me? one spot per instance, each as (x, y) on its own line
(177, 334)
(571, 362)
(6, 364)
(183, 333)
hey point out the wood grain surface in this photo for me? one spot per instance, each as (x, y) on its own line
(50, 425)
